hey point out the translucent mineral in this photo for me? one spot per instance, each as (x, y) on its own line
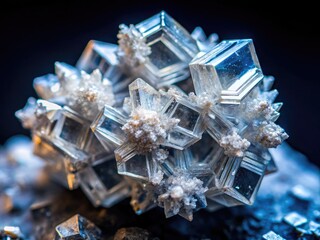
(272, 236)
(103, 56)
(169, 118)
(295, 219)
(161, 46)
(228, 72)
(204, 43)
(77, 227)
(102, 186)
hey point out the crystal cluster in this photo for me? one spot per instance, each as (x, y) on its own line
(174, 119)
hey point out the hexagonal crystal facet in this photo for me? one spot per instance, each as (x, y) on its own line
(172, 48)
(98, 55)
(101, 184)
(229, 71)
(241, 186)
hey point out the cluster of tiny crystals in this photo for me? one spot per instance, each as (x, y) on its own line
(169, 118)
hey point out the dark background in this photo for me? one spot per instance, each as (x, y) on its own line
(34, 36)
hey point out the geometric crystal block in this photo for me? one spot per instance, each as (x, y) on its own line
(190, 127)
(145, 96)
(242, 178)
(63, 70)
(139, 167)
(98, 55)
(71, 131)
(188, 161)
(102, 185)
(172, 48)
(107, 127)
(295, 219)
(62, 162)
(272, 236)
(141, 199)
(228, 72)
(77, 228)
(217, 125)
(102, 56)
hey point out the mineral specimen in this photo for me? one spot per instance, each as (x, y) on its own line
(77, 227)
(125, 121)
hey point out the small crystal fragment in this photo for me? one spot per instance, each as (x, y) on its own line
(295, 219)
(77, 227)
(11, 232)
(272, 236)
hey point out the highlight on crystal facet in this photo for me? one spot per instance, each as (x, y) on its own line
(125, 122)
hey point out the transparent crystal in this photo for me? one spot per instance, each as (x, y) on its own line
(47, 86)
(77, 227)
(241, 180)
(140, 167)
(145, 96)
(228, 72)
(102, 186)
(295, 219)
(271, 235)
(99, 55)
(172, 48)
(190, 126)
(60, 162)
(204, 43)
(141, 196)
(102, 56)
(64, 70)
(107, 127)
(217, 125)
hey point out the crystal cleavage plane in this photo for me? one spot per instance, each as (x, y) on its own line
(172, 119)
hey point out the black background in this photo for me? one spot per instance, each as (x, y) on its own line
(35, 35)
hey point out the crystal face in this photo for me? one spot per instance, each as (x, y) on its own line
(101, 185)
(228, 72)
(98, 55)
(116, 126)
(172, 48)
(77, 227)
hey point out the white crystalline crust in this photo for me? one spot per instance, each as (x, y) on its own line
(148, 129)
(270, 135)
(181, 191)
(89, 94)
(234, 145)
(27, 114)
(206, 136)
(258, 109)
(132, 46)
